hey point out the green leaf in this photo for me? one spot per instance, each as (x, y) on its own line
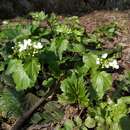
(117, 111)
(48, 82)
(52, 112)
(36, 118)
(32, 69)
(125, 100)
(9, 104)
(124, 123)
(30, 100)
(74, 90)
(69, 124)
(13, 65)
(90, 122)
(20, 77)
(38, 16)
(49, 58)
(90, 60)
(78, 48)
(59, 46)
(78, 121)
(2, 65)
(84, 128)
(101, 82)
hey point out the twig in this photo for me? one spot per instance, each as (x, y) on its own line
(48, 97)
(38, 127)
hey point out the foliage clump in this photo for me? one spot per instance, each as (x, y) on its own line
(51, 52)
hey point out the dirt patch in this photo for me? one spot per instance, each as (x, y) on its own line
(99, 18)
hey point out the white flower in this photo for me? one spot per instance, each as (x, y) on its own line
(107, 65)
(5, 22)
(27, 42)
(104, 56)
(98, 61)
(22, 47)
(110, 64)
(38, 45)
(114, 64)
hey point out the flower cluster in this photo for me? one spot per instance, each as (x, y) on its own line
(26, 44)
(113, 64)
(107, 63)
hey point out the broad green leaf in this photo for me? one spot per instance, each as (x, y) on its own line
(9, 104)
(39, 16)
(78, 121)
(125, 100)
(92, 39)
(115, 126)
(20, 77)
(69, 124)
(124, 123)
(117, 111)
(101, 82)
(101, 127)
(48, 57)
(13, 65)
(52, 112)
(59, 46)
(48, 82)
(83, 70)
(90, 122)
(74, 90)
(78, 48)
(32, 69)
(30, 100)
(84, 128)
(36, 118)
(7, 80)
(90, 60)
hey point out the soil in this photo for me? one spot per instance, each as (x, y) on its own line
(98, 18)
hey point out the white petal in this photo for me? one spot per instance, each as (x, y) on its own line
(115, 62)
(107, 66)
(97, 62)
(22, 47)
(116, 66)
(25, 42)
(110, 64)
(39, 45)
(29, 42)
(104, 56)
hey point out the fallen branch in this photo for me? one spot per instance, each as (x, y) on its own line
(48, 97)
(38, 127)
